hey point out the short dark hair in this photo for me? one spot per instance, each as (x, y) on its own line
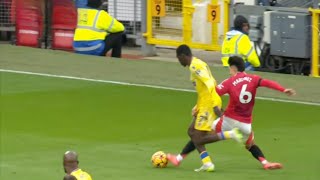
(237, 62)
(184, 49)
(239, 21)
(94, 3)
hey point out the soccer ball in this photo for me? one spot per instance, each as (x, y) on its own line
(159, 159)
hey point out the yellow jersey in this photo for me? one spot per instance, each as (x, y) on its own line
(204, 83)
(81, 175)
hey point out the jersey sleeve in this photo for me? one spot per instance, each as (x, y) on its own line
(248, 51)
(271, 85)
(202, 74)
(223, 87)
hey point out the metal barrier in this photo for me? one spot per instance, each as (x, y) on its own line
(7, 15)
(129, 13)
(174, 22)
(315, 42)
(296, 3)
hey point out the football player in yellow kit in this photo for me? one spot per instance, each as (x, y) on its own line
(207, 108)
(71, 167)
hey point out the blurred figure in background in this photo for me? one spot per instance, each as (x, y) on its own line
(97, 32)
(237, 43)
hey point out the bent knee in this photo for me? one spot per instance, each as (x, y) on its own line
(191, 131)
(249, 145)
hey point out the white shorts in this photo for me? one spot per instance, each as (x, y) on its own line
(225, 123)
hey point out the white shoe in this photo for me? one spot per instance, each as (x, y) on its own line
(206, 168)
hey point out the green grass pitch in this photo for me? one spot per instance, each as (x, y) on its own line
(115, 129)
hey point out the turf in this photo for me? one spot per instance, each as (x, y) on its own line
(142, 72)
(117, 128)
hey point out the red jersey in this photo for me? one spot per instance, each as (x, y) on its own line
(242, 90)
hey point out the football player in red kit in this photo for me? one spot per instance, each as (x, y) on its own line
(241, 88)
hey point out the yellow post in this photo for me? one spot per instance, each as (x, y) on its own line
(148, 34)
(226, 15)
(187, 13)
(215, 30)
(315, 43)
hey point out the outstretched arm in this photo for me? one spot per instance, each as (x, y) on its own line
(276, 86)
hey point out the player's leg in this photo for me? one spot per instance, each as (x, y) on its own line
(195, 136)
(248, 135)
(188, 148)
(198, 139)
(258, 154)
(202, 134)
(177, 159)
(254, 149)
(224, 131)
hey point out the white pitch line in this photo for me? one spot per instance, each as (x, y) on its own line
(143, 85)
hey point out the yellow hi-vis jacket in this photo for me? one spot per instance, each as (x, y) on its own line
(238, 44)
(95, 24)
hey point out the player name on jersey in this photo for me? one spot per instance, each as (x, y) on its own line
(239, 80)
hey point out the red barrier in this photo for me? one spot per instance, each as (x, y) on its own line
(29, 25)
(63, 24)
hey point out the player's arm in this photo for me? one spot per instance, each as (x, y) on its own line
(69, 177)
(248, 51)
(194, 111)
(275, 86)
(203, 75)
(223, 88)
(218, 111)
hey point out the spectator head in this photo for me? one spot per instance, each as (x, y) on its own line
(241, 24)
(94, 3)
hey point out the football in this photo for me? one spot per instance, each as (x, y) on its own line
(159, 159)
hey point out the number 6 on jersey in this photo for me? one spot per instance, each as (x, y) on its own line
(245, 96)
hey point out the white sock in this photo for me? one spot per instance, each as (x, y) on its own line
(264, 162)
(179, 157)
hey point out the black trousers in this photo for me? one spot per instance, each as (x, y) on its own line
(113, 41)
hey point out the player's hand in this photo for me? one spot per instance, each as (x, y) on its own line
(194, 111)
(218, 111)
(290, 92)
